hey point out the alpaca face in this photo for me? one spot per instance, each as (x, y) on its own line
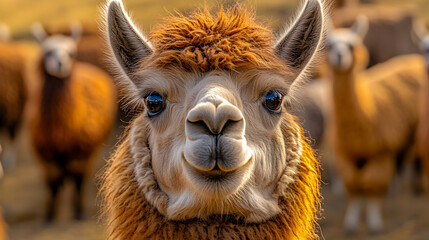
(59, 51)
(216, 142)
(341, 47)
(213, 120)
(344, 43)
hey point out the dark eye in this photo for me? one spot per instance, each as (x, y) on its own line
(154, 103)
(273, 101)
(350, 46)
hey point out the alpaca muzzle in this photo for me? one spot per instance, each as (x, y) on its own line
(215, 136)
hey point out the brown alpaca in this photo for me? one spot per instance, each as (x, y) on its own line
(375, 117)
(13, 97)
(213, 153)
(75, 115)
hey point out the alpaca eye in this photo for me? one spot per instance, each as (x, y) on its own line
(154, 103)
(350, 46)
(273, 101)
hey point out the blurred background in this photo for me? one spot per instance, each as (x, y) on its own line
(23, 194)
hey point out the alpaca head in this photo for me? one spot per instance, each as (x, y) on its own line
(59, 51)
(212, 89)
(346, 50)
(421, 37)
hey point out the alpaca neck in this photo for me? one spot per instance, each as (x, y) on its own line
(55, 91)
(347, 103)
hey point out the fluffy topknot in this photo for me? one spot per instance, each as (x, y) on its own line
(203, 42)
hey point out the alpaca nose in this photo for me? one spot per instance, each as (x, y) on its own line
(215, 136)
(216, 116)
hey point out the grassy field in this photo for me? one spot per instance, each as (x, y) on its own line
(20, 14)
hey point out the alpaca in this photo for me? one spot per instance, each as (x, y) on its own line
(76, 110)
(13, 98)
(422, 38)
(213, 152)
(374, 118)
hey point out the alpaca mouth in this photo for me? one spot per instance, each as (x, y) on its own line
(216, 168)
(216, 173)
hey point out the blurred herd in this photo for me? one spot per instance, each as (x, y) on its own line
(365, 107)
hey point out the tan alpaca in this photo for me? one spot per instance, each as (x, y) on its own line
(422, 38)
(375, 116)
(213, 153)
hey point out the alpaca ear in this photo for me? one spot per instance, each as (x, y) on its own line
(39, 32)
(76, 31)
(128, 46)
(298, 46)
(360, 27)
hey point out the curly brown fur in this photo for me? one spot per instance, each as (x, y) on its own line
(130, 216)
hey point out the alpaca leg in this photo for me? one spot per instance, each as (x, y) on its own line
(373, 215)
(54, 186)
(424, 171)
(8, 154)
(77, 201)
(54, 180)
(376, 177)
(352, 217)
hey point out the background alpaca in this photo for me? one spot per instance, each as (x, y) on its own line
(422, 38)
(368, 105)
(214, 147)
(13, 67)
(75, 114)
